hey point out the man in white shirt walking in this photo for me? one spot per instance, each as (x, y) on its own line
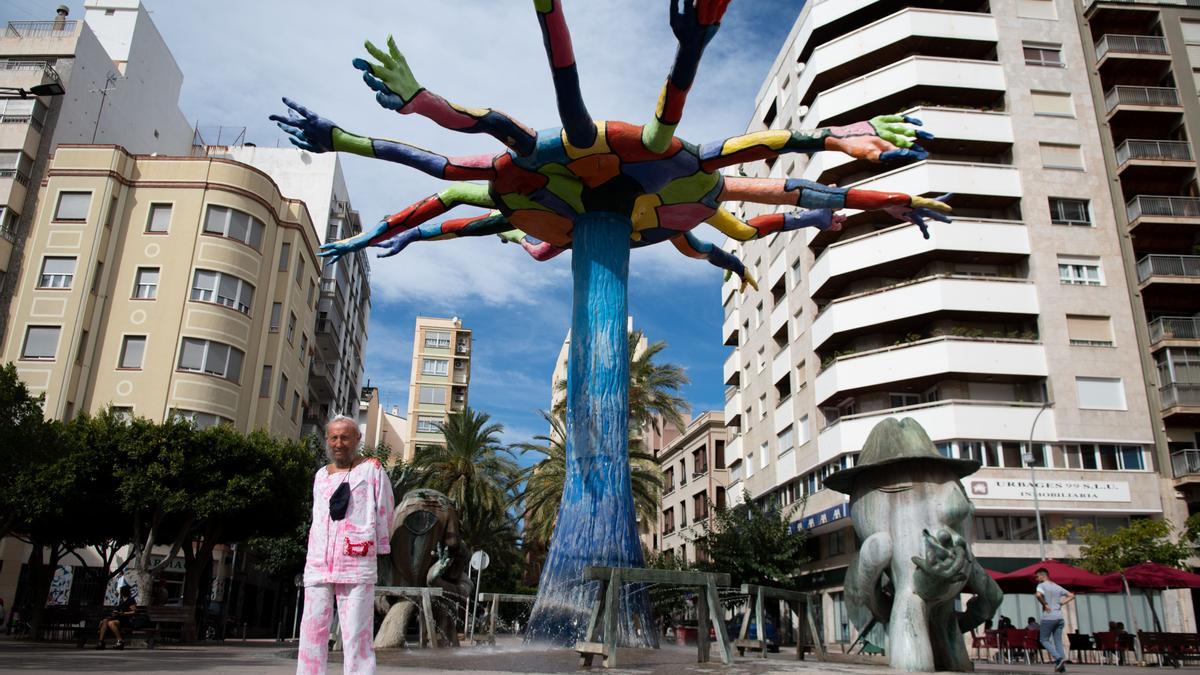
(1052, 597)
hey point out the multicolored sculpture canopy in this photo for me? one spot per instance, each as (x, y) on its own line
(600, 189)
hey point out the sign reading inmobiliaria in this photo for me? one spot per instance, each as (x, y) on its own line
(1048, 490)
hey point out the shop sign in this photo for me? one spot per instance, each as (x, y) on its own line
(1048, 490)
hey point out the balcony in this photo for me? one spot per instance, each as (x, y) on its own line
(978, 296)
(912, 30)
(1131, 45)
(1183, 397)
(902, 251)
(941, 420)
(1181, 268)
(1186, 464)
(731, 369)
(928, 360)
(1174, 331)
(321, 382)
(1155, 152)
(329, 334)
(37, 30)
(1143, 99)
(733, 408)
(897, 85)
(779, 316)
(781, 365)
(1160, 207)
(729, 330)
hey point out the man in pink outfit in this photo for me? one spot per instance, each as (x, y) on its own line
(351, 523)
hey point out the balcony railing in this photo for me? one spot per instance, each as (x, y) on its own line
(669, 489)
(1185, 462)
(1147, 96)
(1179, 151)
(1174, 328)
(15, 174)
(1173, 395)
(1165, 207)
(1168, 266)
(41, 29)
(1131, 44)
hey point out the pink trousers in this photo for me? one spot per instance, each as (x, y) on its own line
(356, 613)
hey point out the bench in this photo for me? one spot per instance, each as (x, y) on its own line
(604, 611)
(496, 599)
(155, 622)
(793, 599)
(1170, 647)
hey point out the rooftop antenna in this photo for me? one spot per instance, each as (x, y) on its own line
(109, 85)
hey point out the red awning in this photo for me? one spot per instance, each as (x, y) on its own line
(1069, 577)
(1156, 575)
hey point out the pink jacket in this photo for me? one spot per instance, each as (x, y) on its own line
(343, 551)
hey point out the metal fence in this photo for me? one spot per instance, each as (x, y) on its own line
(1154, 150)
(1130, 44)
(41, 29)
(1174, 328)
(1185, 462)
(1147, 96)
(1168, 266)
(1168, 207)
(1174, 395)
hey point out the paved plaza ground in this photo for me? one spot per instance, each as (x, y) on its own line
(510, 656)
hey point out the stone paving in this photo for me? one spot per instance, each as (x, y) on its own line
(510, 656)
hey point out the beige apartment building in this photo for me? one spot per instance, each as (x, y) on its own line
(380, 426)
(1009, 334)
(695, 480)
(440, 377)
(1145, 67)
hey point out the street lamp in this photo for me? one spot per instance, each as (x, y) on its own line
(48, 89)
(1029, 458)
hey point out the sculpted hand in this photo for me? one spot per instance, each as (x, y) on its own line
(334, 250)
(696, 21)
(920, 208)
(398, 243)
(391, 78)
(880, 139)
(747, 279)
(439, 568)
(942, 572)
(305, 129)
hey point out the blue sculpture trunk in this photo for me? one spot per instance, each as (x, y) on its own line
(596, 522)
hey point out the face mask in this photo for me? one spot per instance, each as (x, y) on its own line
(339, 502)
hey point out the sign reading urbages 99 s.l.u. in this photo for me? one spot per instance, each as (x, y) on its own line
(1048, 490)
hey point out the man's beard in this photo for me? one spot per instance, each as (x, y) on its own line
(343, 463)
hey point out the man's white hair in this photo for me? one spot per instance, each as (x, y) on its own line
(335, 420)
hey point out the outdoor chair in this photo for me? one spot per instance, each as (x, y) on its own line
(1081, 644)
(1111, 648)
(989, 641)
(1015, 641)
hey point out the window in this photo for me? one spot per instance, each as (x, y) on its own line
(303, 345)
(1061, 156)
(1101, 393)
(761, 358)
(1089, 331)
(57, 273)
(797, 275)
(763, 455)
(1053, 103)
(901, 400)
(160, 218)
(436, 339)
(427, 424)
(295, 404)
(202, 420)
(223, 288)
(1036, 9)
(276, 316)
(786, 440)
(291, 331)
(97, 277)
(264, 383)
(758, 315)
(133, 349)
(283, 387)
(771, 114)
(83, 344)
(433, 395)
(123, 413)
(209, 356)
(40, 342)
(1043, 55)
(285, 254)
(435, 367)
(227, 222)
(299, 269)
(802, 435)
(312, 292)
(1064, 211)
(73, 206)
(762, 406)
(145, 283)
(1082, 271)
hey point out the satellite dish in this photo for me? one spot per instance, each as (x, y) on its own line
(479, 561)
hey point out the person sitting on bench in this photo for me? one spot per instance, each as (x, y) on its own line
(121, 617)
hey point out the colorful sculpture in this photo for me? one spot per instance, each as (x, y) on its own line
(915, 523)
(600, 189)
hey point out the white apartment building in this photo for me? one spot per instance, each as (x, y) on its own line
(122, 88)
(344, 305)
(1012, 323)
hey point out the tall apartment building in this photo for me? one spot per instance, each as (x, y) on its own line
(1008, 334)
(695, 480)
(344, 306)
(1145, 66)
(440, 377)
(122, 88)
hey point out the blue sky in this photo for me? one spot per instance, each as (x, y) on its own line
(239, 58)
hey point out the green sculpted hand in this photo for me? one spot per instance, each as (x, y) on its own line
(391, 78)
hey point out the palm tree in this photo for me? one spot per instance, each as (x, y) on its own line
(653, 388)
(544, 481)
(474, 468)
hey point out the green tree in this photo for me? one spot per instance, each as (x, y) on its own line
(474, 469)
(24, 449)
(753, 543)
(669, 603)
(1142, 540)
(544, 481)
(653, 388)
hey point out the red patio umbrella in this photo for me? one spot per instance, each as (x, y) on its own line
(1156, 576)
(1069, 577)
